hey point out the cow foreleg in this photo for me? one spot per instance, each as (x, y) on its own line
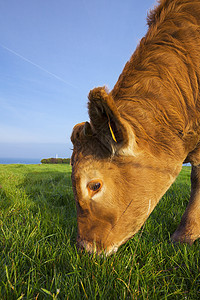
(189, 228)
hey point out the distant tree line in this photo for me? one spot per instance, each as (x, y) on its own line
(55, 161)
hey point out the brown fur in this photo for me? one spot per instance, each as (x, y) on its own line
(141, 132)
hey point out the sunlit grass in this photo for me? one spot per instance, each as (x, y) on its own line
(39, 260)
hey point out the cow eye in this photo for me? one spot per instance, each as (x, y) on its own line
(94, 186)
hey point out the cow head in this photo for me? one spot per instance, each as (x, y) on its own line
(116, 182)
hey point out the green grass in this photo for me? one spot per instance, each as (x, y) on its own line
(39, 260)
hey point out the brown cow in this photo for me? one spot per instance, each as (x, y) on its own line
(140, 134)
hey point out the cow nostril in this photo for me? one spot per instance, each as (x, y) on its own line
(79, 246)
(78, 243)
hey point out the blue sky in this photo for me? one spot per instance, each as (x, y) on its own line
(51, 54)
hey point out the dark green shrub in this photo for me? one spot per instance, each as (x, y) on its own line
(55, 161)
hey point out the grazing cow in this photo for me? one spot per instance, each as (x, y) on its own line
(140, 134)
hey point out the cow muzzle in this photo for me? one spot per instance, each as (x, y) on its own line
(94, 248)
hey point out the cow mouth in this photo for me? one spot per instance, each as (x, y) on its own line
(93, 248)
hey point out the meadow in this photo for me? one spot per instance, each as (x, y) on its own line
(38, 256)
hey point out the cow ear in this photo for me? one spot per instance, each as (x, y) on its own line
(77, 132)
(87, 130)
(81, 132)
(106, 121)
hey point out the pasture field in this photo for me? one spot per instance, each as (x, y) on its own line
(39, 260)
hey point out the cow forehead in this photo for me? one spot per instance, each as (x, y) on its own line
(94, 166)
(110, 172)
